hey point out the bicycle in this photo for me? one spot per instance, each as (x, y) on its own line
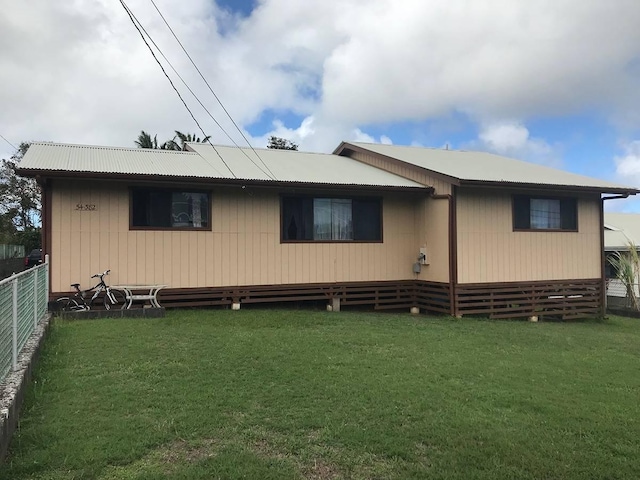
(78, 302)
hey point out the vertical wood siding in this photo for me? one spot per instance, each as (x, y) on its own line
(243, 247)
(432, 221)
(490, 251)
(406, 170)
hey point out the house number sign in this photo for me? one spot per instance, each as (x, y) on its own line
(86, 207)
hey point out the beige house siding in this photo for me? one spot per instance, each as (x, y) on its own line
(243, 247)
(433, 233)
(490, 251)
(441, 187)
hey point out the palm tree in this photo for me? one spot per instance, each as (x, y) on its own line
(145, 141)
(184, 139)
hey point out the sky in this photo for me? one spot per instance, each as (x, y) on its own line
(555, 82)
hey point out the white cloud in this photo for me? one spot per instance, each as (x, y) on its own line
(512, 139)
(491, 59)
(628, 165)
(78, 72)
(312, 137)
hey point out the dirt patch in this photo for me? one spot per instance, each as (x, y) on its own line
(182, 452)
(321, 470)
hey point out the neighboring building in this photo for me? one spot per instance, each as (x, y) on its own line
(490, 235)
(620, 231)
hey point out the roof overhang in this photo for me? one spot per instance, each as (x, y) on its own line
(624, 192)
(345, 147)
(43, 175)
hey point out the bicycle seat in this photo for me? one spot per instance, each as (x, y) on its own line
(76, 285)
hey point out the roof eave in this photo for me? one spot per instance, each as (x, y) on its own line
(547, 186)
(60, 174)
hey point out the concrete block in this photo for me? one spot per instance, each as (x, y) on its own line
(335, 304)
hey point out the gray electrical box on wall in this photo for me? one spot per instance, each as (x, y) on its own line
(417, 267)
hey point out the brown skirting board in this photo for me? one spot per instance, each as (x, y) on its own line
(430, 296)
(565, 299)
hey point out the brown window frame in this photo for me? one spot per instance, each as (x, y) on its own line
(170, 190)
(377, 199)
(568, 216)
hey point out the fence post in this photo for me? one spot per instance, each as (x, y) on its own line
(15, 324)
(46, 283)
(35, 296)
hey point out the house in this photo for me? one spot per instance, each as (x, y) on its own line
(620, 230)
(386, 226)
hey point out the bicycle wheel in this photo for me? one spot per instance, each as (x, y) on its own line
(66, 304)
(120, 300)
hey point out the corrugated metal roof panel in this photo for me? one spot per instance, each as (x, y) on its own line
(294, 166)
(627, 227)
(485, 167)
(206, 162)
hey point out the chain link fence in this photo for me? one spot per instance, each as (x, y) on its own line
(23, 304)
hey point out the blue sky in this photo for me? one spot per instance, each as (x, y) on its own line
(555, 83)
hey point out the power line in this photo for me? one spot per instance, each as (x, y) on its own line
(270, 174)
(130, 14)
(209, 86)
(14, 147)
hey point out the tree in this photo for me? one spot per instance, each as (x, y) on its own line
(184, 139)
(145, 141)
(19, 196)
(627, 267)
(20, 205)
(281, 144)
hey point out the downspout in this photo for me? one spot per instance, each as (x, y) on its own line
(453, 248)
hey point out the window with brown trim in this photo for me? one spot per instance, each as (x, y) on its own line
(329, 219)
(157, 208)
(545, 213)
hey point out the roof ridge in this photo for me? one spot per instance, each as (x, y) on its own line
(109, 147)
(440, 149)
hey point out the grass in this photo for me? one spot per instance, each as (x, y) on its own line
(298, 394)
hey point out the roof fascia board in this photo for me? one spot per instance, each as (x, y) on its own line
(344, 147)
(125, 177)
(546, 186)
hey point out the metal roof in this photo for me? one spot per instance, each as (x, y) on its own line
(620, 229)
(470, 167)
(205, 162)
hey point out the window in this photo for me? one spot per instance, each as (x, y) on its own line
(543, 213)
(157, 208)
(331, 219)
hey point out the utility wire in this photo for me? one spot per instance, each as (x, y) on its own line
(14, 147)
(209, 86)
(130, 14)
(270, 174)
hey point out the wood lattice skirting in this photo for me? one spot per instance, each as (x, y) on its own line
(566, 299)
(430, 296)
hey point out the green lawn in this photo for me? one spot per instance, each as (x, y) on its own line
(302, 394)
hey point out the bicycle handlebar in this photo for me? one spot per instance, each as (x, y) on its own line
(100, 275)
